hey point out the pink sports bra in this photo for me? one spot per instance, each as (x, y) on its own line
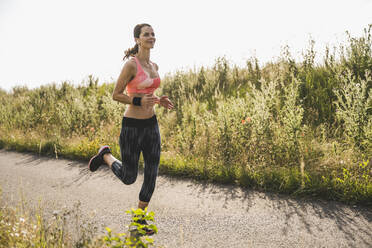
(142, 83)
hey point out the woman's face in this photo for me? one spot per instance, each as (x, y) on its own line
(146, 38)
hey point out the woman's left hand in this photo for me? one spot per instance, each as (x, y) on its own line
(165, 102)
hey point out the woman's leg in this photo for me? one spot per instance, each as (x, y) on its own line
(142, 205)
(151, 154)
(109, 159)
(127, 170)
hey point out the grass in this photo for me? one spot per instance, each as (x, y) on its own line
(24, 226)
(351, 186)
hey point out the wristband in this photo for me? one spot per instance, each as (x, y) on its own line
(136, 101)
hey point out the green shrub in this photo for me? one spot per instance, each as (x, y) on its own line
(353, 109)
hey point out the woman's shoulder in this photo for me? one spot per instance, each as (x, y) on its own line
(156, 66)
(130, 65)
(131, 62)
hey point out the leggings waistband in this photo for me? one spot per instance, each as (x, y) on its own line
(133, 122)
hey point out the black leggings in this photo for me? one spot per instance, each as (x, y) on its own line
(139, 135)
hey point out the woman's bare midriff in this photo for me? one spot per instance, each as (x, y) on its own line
(138, 112)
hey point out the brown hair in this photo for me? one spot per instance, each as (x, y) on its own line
(137, 31)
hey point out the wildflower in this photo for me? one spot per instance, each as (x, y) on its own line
(21, 219)
(92, 129)
(243, 121)
(248, 119)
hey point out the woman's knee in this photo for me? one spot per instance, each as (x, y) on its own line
(128, 181)
(129, 178)
(126, 175)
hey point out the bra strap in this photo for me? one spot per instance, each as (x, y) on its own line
(139, 67)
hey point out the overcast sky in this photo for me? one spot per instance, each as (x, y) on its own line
(44, 41)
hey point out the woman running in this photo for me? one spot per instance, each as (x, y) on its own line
(139, 131)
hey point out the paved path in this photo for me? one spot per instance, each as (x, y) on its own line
(187, 213)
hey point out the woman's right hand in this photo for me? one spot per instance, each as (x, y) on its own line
(149, 100)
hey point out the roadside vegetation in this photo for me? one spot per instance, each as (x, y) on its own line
(26, 226)
(294, 127)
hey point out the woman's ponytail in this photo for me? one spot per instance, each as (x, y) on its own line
(131, 52)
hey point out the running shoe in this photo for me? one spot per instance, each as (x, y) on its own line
(148, 231)
(97, 160)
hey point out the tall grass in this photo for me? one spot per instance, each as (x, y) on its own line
(288, 126)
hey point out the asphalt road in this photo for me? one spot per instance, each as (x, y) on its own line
(187, 213)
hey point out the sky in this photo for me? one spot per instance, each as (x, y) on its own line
(46, 41)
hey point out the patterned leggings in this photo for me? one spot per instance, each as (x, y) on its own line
(139, 135)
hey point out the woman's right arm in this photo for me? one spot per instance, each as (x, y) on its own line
(129, 71)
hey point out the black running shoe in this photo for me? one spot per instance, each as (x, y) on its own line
(97, 160)
(148, 231)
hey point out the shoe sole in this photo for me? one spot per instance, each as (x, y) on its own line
(137, 234)
(91, 161)
(96, 156)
